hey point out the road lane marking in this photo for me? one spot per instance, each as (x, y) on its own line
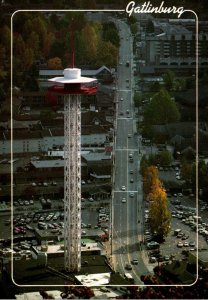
(129, 191)
(123, 90)
(131, 118)
(125, 149)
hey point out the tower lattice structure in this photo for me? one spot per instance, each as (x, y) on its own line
(72, 86)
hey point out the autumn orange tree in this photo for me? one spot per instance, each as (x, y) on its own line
(150, 175)
(159, 212)
(157, 197)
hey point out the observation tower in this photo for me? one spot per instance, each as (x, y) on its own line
(72, 86)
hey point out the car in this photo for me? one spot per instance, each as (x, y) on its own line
(134, 262)
(127, 111)
(31, 201)
(131, 180)
(128, 267)
(180, 245)
(129, 135)
(180, 235)
(121, 113)
(45, 184)
(34, 184)
(121, 99)
(152, 259)
(26, 202)
(153, 245)
(192, 244)
(123, 188)
(131, 172)
(131, 194)
(166, 257)
(180, 194)
(53, 183)
(83, 182)
(123, 200)
(186, 244)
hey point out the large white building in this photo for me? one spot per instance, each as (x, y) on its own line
(173, 43)
(27, 141)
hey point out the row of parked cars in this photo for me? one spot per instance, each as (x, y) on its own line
(44, 183)
(21, 202)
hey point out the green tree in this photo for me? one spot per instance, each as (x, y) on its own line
(137, 99)
(165, 158)
(107, 54)
(168, 79)
(110, 34)
(186, 171)
(144, 163)
(134, 28)
(161, 110)
(90, 39)
(40, 27)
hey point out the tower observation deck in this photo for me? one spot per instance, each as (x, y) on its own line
(72, 86)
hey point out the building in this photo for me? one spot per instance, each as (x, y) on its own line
(32, 141)
(172, 44)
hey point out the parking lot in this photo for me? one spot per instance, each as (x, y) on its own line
(183, 219)
(29, 216)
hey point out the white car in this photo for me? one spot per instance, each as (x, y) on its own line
(121, 99)
(180, 244)
(123, 188)
(123, 200)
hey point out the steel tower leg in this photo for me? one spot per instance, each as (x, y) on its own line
(72, 183)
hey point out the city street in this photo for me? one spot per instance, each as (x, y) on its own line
(127, 194)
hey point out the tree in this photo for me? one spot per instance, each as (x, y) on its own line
(110, 33)
(134, 28)
(144, 163)
(28, 58)
(168, 79)
(90, 39)
(165, 158)
(161, 110)
(33, 42)
(39, 26)
(137, 99)
(55, 63)
(186, 171)
(47, 43)
(159, 212)
(6, 38)
(107, 54)
(150, 177)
